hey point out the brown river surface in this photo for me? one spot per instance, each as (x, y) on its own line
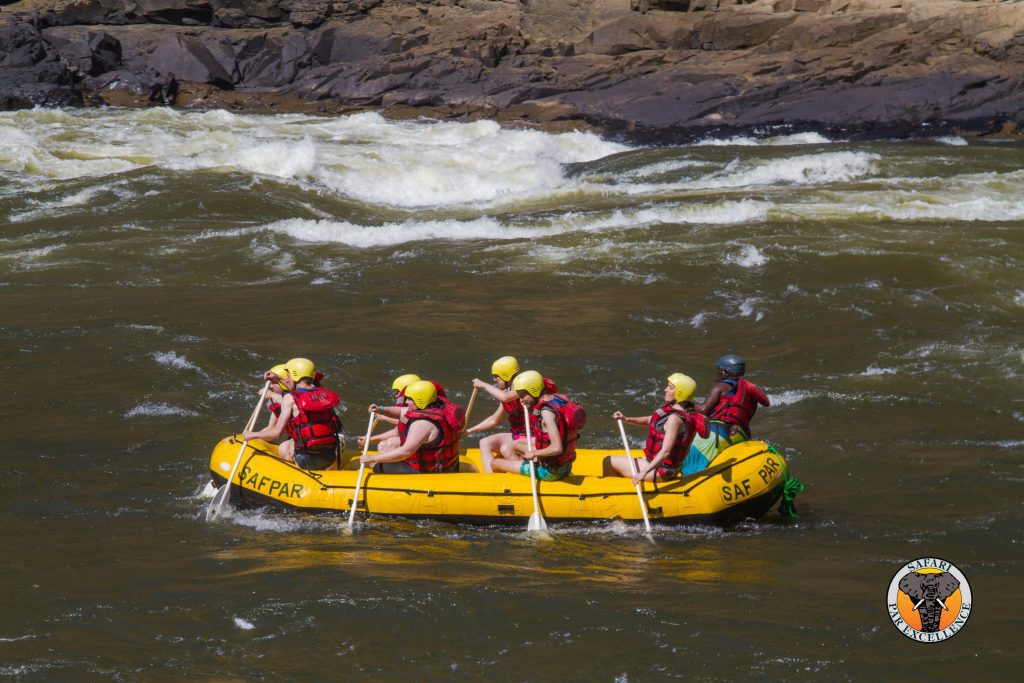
(153, 264)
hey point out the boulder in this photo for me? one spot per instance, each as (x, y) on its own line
(186, 58)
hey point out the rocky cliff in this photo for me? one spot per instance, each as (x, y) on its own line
(655, 70)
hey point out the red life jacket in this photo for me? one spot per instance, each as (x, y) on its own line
(737, 407)
(570, 418)
(316, 426)
(274, 407)
(693, 423)
(516, 419)
(441, 454)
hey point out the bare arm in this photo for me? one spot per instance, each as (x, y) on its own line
(550, 426)
(420, 432)
(717, 389)
(275, 428)
(617, 415)
(503, 395)
(489, 422)
(672, 426)
(389, 414)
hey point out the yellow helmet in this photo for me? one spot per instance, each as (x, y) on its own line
(531, 382)
(505, 367)
(421, 393)
(301, 367)
(684, 384)
(403, 381)
(282, 372)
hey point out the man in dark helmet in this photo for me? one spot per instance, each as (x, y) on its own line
(729, 406)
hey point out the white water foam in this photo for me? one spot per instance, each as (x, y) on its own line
(774, 141)
(790, 397)
(47, 208)
(487, 228)
(874, 371)
(749, 257)
(951, 140)
(748, 309)
(159, 410)
(244, 624)
(805, 169)
(172, 359)
(405, 164)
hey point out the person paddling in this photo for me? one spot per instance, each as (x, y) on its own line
(280, 384)
(670, 433)
(392, 413)
(308, 413)
(555, 421)
(730, 405)
(503, 371)
(428, 435)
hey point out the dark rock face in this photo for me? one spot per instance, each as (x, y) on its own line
(31, 71)
(658, 70)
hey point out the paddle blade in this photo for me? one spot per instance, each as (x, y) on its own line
(219, 498)
(536, 523)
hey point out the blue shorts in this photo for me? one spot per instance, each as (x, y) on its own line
(545, 474)
(696, 460)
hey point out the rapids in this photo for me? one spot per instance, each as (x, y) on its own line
(154, 262)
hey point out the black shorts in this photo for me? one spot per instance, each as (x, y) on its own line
(400, 467)
(319, 460)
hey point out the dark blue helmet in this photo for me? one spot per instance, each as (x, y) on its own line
(732, 365)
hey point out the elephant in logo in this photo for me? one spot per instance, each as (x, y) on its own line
(928, 592)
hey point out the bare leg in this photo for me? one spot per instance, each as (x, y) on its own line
(618, 466)
(286, 450)
(506, 465)
(491, 446)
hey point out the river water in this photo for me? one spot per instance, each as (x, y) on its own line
(153, 263)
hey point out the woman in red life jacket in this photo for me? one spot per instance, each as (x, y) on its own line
(670, 431)
(730, 405)
(389, 439)
(428, 433)
(280, 384)
(309, 416)
(503, 371)
(555, 422)
(391, 414)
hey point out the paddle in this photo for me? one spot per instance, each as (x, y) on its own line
(632, 468)
(223, 493)
(536, 522)
(469, 408)
(359, 479)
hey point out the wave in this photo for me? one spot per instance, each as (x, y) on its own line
(159, 410)
(487, 228)
(362, 156)
(774, 141)
(171, 359)
(244, 624)
(748, 257)
(805, 169)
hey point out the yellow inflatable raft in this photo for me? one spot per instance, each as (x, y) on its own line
(744, 481)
